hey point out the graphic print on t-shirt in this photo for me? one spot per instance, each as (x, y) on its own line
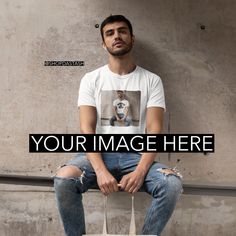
(120, 108)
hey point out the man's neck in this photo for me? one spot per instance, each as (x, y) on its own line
(121, 65)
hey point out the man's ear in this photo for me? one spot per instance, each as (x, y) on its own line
(133, 39)
(104, 46)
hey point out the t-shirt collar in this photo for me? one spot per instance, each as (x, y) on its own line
(121, 76)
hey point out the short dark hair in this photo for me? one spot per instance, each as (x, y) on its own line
(115, 18)
(119, 91)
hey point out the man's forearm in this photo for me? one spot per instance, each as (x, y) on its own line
(96, 161)
(94, 158)
(145, 162)
(153, 126)
(106, 182)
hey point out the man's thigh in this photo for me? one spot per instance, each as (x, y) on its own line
(88, 177)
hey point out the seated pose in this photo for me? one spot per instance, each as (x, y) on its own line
(120, 109)
(113, 171)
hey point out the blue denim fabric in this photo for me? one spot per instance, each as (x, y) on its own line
(165, 190)
(128, 120)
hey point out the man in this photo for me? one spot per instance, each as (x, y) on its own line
(113, 171)
(120, 110)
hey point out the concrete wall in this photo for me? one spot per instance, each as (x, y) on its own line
(190, 44)
(30, 211)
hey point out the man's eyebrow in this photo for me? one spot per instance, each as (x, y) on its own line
(123, 27)
(120, 28)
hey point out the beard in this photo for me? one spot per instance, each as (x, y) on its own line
(122, 51)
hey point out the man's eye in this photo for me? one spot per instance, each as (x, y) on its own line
(109, 33)
(123, 31)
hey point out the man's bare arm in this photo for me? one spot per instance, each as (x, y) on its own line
(88, 119)
(134, 180)
(154, 125)
(115, 113)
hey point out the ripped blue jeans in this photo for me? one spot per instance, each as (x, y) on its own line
(165, 189)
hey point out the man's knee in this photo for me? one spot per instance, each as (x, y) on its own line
(170, 183)
(112, 120)
(69, 172)
(62, 179)
(173, 183)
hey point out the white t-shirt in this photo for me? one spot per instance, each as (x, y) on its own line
(142, 89)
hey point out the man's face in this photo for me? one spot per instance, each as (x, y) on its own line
(120, 94)
(117, 38)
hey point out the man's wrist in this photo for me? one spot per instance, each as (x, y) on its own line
(141, 170)
(97, 162)
(145, 163)
(100, 169)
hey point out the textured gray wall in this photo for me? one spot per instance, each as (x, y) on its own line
(30, 211)
(190, 44)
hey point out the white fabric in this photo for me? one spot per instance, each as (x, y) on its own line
(103, 79)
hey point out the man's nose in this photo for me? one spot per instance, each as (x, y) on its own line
(116, 34)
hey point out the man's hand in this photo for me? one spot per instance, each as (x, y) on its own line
(106, 182)
(132, 182)
(118, 118)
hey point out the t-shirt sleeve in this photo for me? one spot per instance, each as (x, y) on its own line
(86, 92)
(156, 96)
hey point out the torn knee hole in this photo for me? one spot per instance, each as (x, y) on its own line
(69, 172)
(170, 171)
